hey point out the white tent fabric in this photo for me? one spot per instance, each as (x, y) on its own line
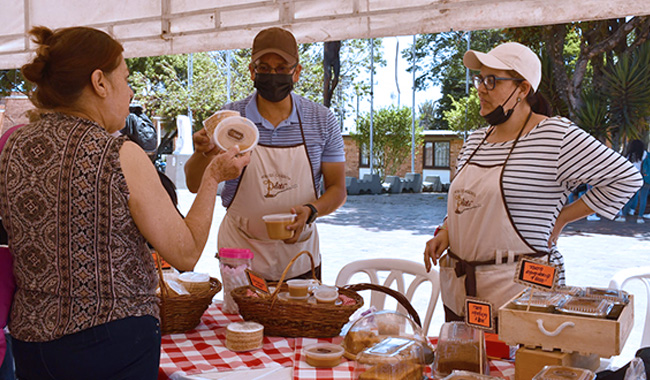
(148, 27)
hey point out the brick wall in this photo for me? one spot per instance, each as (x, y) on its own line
(352, 157)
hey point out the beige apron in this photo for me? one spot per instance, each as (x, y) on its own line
(482, 234)
(276, 179)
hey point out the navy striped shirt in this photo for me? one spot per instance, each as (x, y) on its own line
(546, 165)
(322, 134)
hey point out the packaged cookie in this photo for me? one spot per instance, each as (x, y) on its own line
(391, 359)
(554, 372)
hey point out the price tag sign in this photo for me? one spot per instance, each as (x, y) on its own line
(478, 314)
(257, 281)
(536, 274)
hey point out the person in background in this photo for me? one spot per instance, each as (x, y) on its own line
(79, 206)
(637, 155)
(299, 141)
(140, 129)
(508, 197)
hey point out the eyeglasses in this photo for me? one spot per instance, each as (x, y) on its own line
(263, 68)
(490, 81)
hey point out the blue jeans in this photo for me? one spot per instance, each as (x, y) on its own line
(640, 197)
(128, 348)
(7, 368)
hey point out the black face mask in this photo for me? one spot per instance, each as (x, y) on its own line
(274, 87)
(497, 116)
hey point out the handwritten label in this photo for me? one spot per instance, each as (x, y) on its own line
(536, 274)
(478, 314)
(257, 281)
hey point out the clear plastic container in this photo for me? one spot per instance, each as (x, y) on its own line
(618, 297)
(539, 301)
(323, 355)
(466, 375)
(460, 347)
(392, 358)
(586, 307)
(555, 372)
(233, 263)
(375, 327)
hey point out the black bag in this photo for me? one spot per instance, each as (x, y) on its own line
(140, 130)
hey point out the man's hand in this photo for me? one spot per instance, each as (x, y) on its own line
(302, 214)
(203, 143)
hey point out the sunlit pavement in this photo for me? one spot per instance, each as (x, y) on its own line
(398, 226)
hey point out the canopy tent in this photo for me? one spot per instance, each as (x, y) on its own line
(160, 27)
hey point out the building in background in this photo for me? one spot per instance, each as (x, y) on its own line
(437, 156)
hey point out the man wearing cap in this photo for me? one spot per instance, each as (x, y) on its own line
(299, 141)
(507, 199)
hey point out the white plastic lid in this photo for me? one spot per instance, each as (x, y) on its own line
(245, 327)
(279, 217)
(236, 130)
(194, 277)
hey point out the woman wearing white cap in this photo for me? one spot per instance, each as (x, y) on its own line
(508, 197)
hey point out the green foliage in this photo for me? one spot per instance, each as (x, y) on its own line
(391, 138)
(439, 62)
(464, 114)
(161, 84)
(13, 81)
(427, 115)
(627, 87)
(593, 115)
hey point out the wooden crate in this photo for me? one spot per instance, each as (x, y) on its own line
(603, 337)
(529, 361)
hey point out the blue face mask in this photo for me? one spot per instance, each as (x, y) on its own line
(274, 87)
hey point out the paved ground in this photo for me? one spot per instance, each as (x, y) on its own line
(398, 225)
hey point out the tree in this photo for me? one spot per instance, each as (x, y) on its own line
(439, 62)
(427, 111)
(391, 138)
(464, 116)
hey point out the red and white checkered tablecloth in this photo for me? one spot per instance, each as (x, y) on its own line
(204, 350)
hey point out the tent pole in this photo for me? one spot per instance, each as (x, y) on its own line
(372, 95)
(413, 110)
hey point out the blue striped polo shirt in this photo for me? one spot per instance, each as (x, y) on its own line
(321, 129)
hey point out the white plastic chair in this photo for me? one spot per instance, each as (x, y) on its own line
(397, 268)
(641, 273)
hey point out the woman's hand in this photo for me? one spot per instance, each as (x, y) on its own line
(227, 165)
(435, 248)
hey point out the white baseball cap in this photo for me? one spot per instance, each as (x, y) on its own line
(508, 56)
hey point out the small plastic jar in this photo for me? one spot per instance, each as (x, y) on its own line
(233, 263)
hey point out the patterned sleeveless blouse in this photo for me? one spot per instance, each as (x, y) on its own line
(79, 259)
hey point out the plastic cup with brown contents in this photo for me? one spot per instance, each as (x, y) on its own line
(276, 225)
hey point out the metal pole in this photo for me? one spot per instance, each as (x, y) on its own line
(413, 110)
(228, 77)
(190, 74)
(372, 94)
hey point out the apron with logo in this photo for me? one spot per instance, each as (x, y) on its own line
(484, 245)
(276, 179)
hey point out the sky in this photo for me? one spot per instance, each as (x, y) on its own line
(385, 87)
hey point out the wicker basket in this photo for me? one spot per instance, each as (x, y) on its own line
(180, 313)
(294, 318)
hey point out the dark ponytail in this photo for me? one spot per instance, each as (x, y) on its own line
(539, 104)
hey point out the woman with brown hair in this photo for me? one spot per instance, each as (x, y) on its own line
(79, 206)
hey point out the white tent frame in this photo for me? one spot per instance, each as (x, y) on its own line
(148, 28)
